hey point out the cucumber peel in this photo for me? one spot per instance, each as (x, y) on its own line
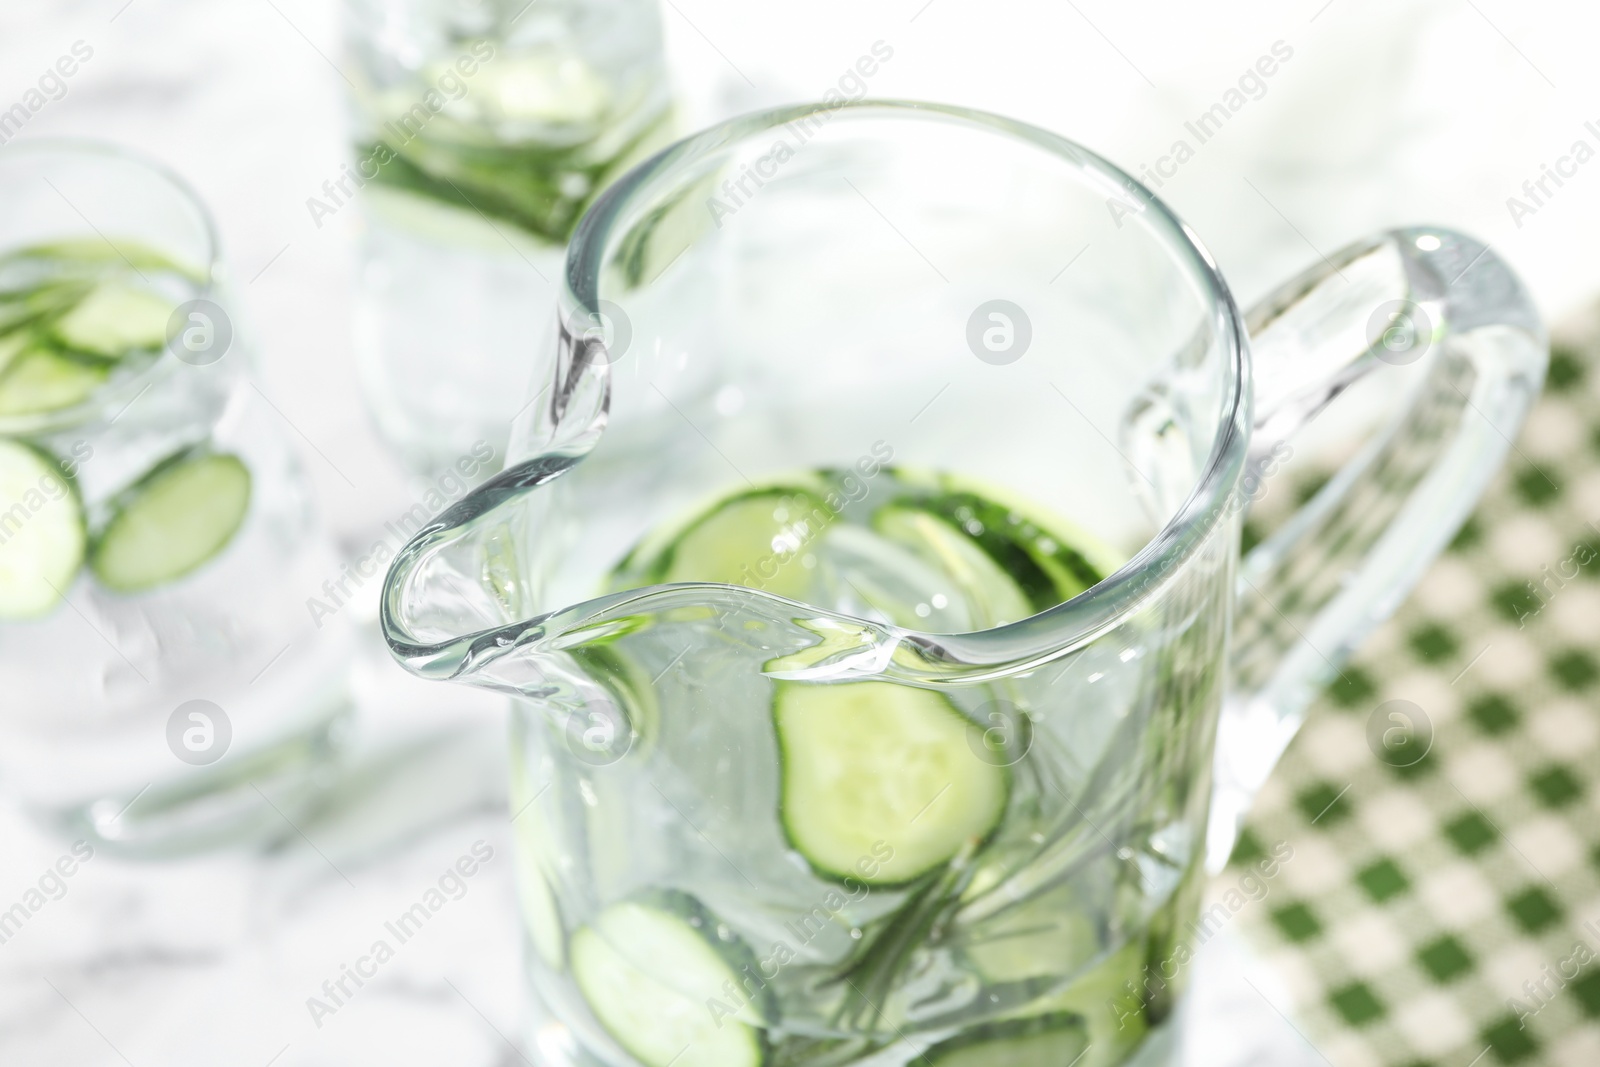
(871, 764)
(173, 520)
(42, 533)
(654, 970)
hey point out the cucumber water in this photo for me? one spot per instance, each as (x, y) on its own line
(535, 134)
(79, 319)
(880, 873)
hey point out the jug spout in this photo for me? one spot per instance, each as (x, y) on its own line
(468, 589)
(463, 592)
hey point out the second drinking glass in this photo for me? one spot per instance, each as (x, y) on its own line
(166, 686)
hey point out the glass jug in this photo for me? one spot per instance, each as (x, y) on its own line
(867, 578)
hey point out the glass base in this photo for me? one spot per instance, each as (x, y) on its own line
(262, 797)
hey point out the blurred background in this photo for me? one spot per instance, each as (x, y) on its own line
(1384, 114)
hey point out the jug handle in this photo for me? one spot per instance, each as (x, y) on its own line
(1454, 327)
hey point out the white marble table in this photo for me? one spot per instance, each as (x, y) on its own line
(210, 961)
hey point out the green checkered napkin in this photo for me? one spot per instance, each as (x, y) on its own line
(1421, 898)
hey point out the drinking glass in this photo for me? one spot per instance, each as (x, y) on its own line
(483, 128)
(165, 686)
(837, 769)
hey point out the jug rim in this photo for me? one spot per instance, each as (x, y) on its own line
(935, 658)
(1190, 526)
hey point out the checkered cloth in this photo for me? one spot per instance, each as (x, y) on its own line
(1421, 898)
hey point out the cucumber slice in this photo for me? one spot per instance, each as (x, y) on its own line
(27, 307)
(12, 345)
(115, 319)
(42, 534)
(175, 518)
(1115, 1016)
(38, 381)
(653, 970)
(995, 598)
(756, 540)
(15, 311)
(1057, 1040)
(1049, 570)
(874, 767)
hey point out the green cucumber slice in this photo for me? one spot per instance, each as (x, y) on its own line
(654, 969)
(42, 534)
(12, 346)
(756, 539)
(38, 381)
(869, 768)
(14, 312)
(1056, 1040)
(27, 307)
(1048, 568)
(995, 598)
(1115, 1016)
(175, 518)
(115, 319)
